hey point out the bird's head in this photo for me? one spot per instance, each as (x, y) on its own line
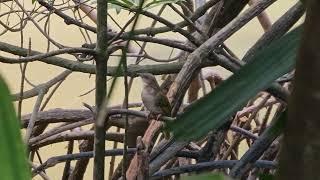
(148, 79)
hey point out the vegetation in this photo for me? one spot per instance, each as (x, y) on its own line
(12, 151)
(203, 136)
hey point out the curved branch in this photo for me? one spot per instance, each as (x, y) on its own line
(59, 159)
(196, 15)
(220, 164)
(68, 136)
(157, 69)
(280, 27)
(183, 79)
(44, 86)
(67, 19)
(39, 57)
(114, 152)
(150, 31)
(75, 115)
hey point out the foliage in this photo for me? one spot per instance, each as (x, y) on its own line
(266, 177)
(208, 176)
(212, 111)
(12, 152)
(131, 4)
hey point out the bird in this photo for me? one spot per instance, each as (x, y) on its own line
(154, 100)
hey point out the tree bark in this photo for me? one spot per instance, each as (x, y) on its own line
(300, 158)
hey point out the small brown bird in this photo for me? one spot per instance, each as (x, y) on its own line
(153, 98)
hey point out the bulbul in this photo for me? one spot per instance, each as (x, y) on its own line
(153, 98)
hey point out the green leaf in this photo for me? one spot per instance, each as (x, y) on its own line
(120, 4)
(116, 7)
(207, 176)
(119, 70)
(128, 3)
(12, 151)
(303, 2)
(266, 177)
(137, 2)
(155, 3)
(212, 111)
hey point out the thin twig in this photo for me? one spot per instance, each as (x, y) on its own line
(34, 115)
(66, 170)
(23, 74)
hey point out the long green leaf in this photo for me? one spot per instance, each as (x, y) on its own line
(155, 3)
(13, 162)
(212, 111)
(207, 176)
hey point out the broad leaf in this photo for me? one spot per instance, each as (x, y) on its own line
(212, 111)
(13, 161)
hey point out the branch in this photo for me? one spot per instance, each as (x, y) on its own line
(186, 74)
(68, 136)
(44, 86)
(39, 57)
(83, 155)
(114, 152)
(67, 19)
(208, 166)
(279, 28)
(58, 130)
(133, 70)
(258, 147)
(244, 132)
(101, 98)
(200, 54)
(262, 17)
(34, 115)
(75, 115)
(149, 31)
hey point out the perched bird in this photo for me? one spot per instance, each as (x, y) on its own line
(153, 98)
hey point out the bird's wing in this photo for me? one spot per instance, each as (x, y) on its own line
(163, 102)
